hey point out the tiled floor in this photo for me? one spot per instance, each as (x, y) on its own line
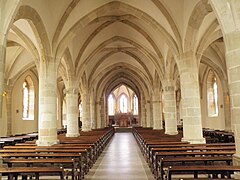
(121, 160)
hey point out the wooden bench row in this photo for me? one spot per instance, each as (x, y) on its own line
(161, 154)
(73, 159)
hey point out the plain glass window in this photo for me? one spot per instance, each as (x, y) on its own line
(135, 105)
(212, 94)
(123, 103)
(28, 99)
(110, 105)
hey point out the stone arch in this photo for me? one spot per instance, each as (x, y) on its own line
(169, 18)
(62, 21)
(209, 37)
(7, 18)
(63, 74)
(119, 38)
(198, 14)
(107, 7)
(70, 69)
(123, 19)
(36, 23)
(113, 72)
(227, 14)
(114, 52)
(28, 43)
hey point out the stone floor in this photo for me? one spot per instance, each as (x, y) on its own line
(121, 159)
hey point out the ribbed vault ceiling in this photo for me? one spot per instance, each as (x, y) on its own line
(107, 43)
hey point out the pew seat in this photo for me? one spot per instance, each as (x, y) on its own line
(214, 171)
(13, 172)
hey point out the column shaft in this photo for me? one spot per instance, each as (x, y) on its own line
(157, 115)
(143, 114)
(47, 125)
(72, 113)
(191, 108)
(233, 66)
(170, 110)
(2, 67)
(93, 113)
(192, 122)
(98, 115)
(148, 117)
(86, 121)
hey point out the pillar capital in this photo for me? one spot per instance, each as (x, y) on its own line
(169, 88)
(155, 101)
(71, 91)
(3, 39)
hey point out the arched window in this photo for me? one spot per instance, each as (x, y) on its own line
(212, 94)
(80, 110)
(135, 105)
(123, 103)
(28, 99)
(110, 105)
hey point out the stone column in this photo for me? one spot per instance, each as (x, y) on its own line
(103, 113)
(157, 114)
(227, 111)
(9, 110)
(233, 65)
(2, 70)
(98, 104)
(192, 122)
(170, 109)
(86, 121)
(143, 114)
(148, 116)
(72, 112)
(93, 113)
(47, 124)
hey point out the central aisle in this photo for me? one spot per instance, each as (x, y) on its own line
(121, 159)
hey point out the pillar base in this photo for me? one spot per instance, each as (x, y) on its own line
(86, 130)
(72, 135)
(46, 143)
(236, 162)
(157, 128)
(171, 132)
(195, 141)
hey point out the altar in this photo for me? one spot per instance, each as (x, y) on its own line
(123, 120)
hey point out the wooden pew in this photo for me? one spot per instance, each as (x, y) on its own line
(85, 156)
(190, 149)
(174, 146)
(47, 156)
(195, 170)
(37, 171)
(64, 163)
(172, 161)
(89, 147)
(159, 155)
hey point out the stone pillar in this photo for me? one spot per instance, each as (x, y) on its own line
(72, 112)
(227, 111)
(86, 121)
(47, 124)
(170, 110)
(9, 110)
(233, 65)
(151, 114)
(103, 113)
(143, 114)
(148, 115)
(98, 104)
(93, 113)
(192, 122)
(2, 70)
(157, 114)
